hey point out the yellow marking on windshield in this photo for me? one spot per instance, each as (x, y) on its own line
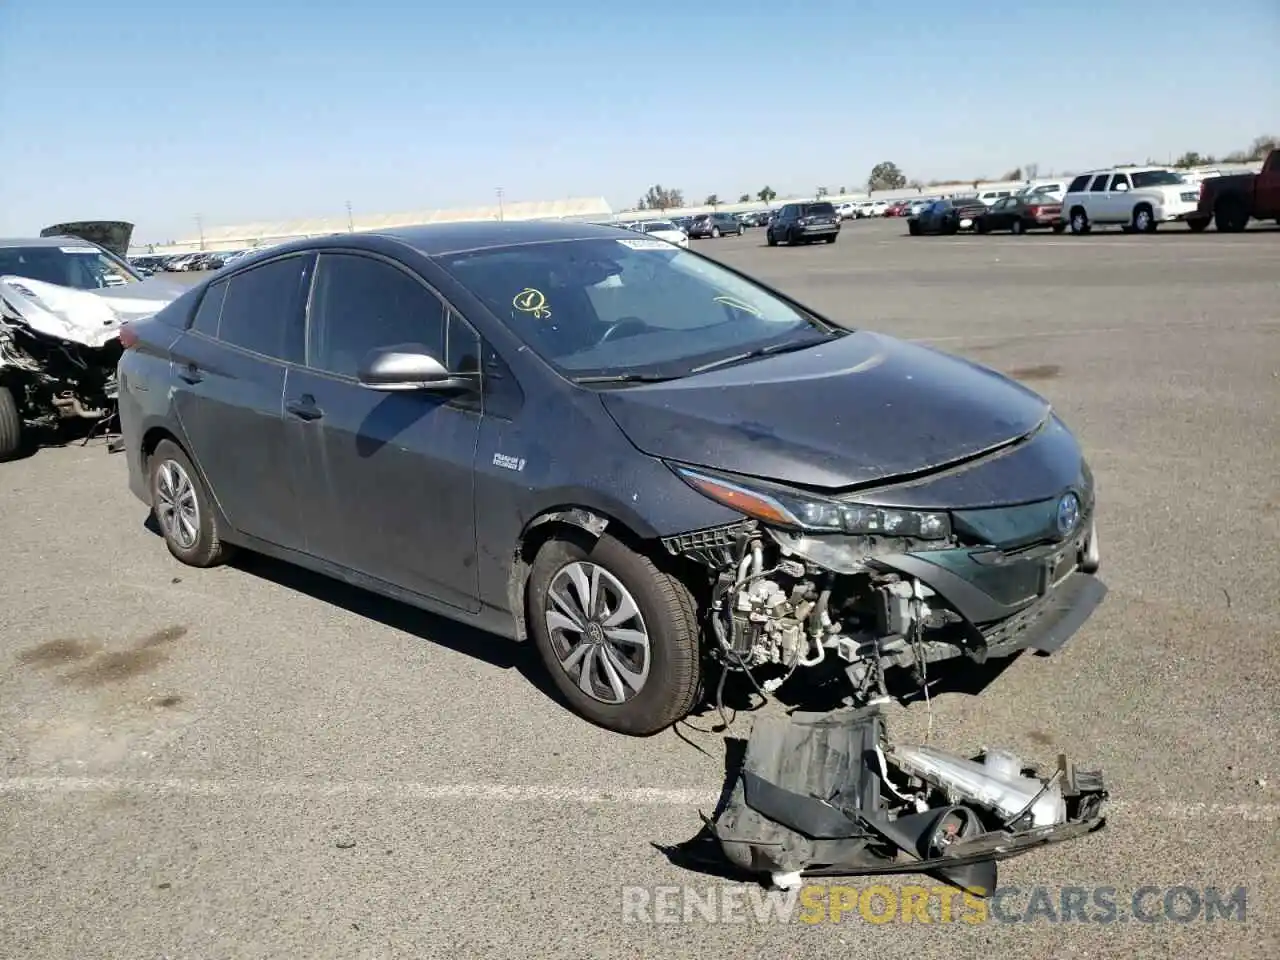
(530, 300)
(739, 305)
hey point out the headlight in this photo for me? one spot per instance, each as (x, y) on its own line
(800, 511)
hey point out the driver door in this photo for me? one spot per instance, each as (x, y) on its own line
(390, 473)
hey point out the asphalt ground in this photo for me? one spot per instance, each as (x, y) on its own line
(255, 762)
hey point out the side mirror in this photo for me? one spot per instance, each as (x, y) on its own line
(1120, 187)
(410, 367)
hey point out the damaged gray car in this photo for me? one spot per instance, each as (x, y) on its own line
(659, 469)
(63, 297)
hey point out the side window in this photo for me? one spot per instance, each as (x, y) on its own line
(210, 309)
(462, 346)
(1118, 179)
(1099, 183)
(1078, 184)
(262, 309)
(362, 304)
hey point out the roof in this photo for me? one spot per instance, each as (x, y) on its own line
(443, 238)
(44, 242)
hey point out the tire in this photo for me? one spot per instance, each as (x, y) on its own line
(167, 469)
(1144, 220)
(833, 238)
(667, 617)
(1017, 228)
(10, 424)
(1059, 227)
(913, 229)
(1198, 225)
(770, 239)
(739, 231)
(1231, 216)
(981, 226)
(1080, 222)
(715, 233)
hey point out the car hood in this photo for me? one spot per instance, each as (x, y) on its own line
(858, 410)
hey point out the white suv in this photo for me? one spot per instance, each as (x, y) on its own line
(1140, 198)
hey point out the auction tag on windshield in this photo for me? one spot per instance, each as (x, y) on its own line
(78, 249)
(639, 244)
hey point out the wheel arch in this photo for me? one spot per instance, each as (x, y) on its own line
(157, 433)
(588, 522)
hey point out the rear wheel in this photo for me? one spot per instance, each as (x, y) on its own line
(1059, 227)
(1231, 216)
(1017, 227)
(715, 233)
(10, 424)
(1198, 225)
(183, 508)
(770, 239)
(619, 637)
(833, 238)
(913, 228)
(1079, 221)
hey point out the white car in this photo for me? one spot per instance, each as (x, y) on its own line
(663, 230)
(1140, 198)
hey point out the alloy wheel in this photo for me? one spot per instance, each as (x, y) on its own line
(176, 506)
(597, 632)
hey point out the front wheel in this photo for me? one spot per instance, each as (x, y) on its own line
(833, 238)
(1144, 220)
(1017, 227)
(184, 509)
(739, 231)
(1198, 225)
(10, 424)
(770, 239)
(619, 637)
(715, 233)
(913, 229)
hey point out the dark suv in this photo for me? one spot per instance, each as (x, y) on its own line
(596, 440)
(804, 223)
(714, 225)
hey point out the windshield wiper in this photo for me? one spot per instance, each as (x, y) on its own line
(624, 378)
(788, 347)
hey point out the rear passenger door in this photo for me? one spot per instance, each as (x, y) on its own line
(386, 478)
(228, 372)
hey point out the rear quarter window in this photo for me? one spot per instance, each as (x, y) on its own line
(209, 312)
(262, 309)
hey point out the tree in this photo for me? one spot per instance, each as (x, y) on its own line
(917, 186)
(822, 192)
(711, 201)
(745, 198)
(1189, 159)
(843, 191)
(660, 198)
(885, 176)
(766, 194)
(1032, 170)
(1014, 174)
(1263, 145)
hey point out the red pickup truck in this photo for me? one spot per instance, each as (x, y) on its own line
(1231, 201)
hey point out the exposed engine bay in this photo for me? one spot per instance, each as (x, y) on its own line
(781, 601)
(829, 795)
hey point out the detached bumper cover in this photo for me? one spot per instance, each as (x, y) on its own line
(816, 796)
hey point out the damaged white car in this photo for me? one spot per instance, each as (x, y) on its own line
(63, 299)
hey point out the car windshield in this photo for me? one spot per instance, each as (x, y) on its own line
(653, 225)
(1156, 178)
(80, 266)
(630, 307)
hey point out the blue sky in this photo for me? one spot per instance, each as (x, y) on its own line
(156, 112)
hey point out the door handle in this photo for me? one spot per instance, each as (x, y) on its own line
(190, 374)
(304, 408)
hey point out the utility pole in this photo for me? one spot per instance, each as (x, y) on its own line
(200, 227)
(351, 226)
(501, 215)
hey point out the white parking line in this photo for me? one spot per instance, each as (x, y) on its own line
(514, 793)
(1161, 328)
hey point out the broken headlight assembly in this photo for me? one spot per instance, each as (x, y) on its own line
(790, 509)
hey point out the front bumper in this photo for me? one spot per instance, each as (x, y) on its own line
(1172, 212)
(1010, 601)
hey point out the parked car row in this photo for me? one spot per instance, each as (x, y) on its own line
(148, 264)
(1136, 199)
